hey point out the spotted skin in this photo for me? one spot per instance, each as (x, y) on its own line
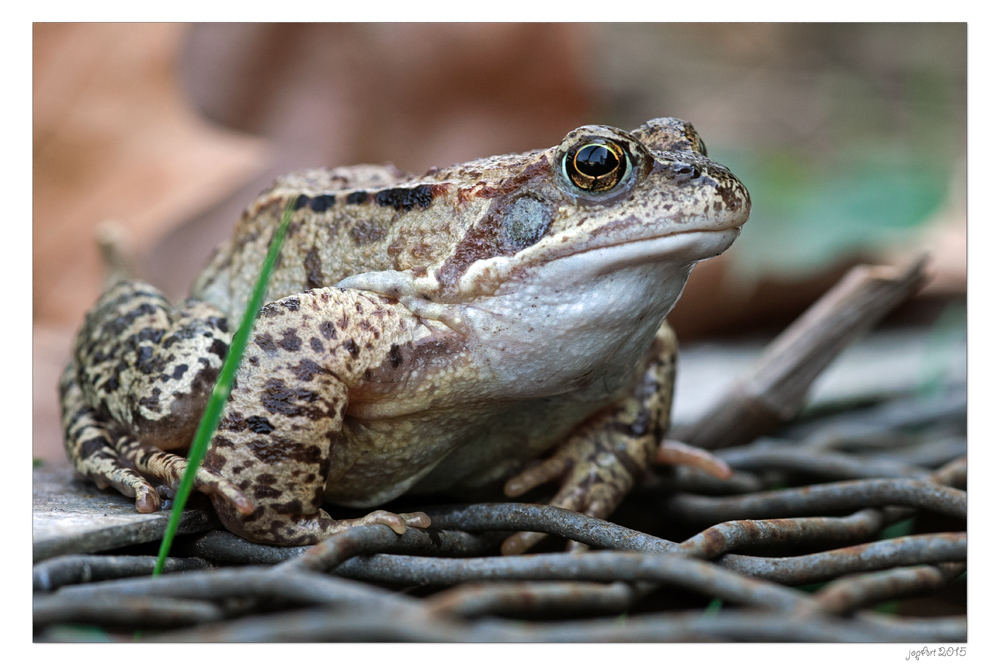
(142, 369)
(433, 334)
(90, 447)
(147, 365)
(285, 417)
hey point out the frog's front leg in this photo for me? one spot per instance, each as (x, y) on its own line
(600, 463)
(286, 412)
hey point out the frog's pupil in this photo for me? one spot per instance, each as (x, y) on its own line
(596, 160)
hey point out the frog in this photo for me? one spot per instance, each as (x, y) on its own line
(497, 325)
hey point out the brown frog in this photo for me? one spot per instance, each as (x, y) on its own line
(423, 334)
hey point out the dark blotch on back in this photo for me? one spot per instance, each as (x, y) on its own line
(322, 203)
(405, 198)
(219, 348)
(269, 310)
(260, 492)
(232, 422)
(152, 401)
(364, 232)
(149, 334)
(274, 450)
(92, 446)
(279, 398)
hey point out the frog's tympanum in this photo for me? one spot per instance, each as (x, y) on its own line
(426, 334)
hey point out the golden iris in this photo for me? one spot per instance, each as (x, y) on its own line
(597, 166)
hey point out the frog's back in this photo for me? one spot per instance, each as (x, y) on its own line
(364, 218)
(344, 235)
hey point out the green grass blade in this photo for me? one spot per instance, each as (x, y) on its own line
(213, 410)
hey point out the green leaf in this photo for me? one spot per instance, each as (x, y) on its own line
(213, 410)
(900, 529)
(713, 608)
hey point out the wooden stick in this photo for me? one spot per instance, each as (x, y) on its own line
(776, 387)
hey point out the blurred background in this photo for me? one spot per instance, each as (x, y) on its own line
(850, 137)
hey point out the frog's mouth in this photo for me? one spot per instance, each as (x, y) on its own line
(675, 251)
(676, 248)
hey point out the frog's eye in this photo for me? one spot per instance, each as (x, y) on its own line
(597, 166)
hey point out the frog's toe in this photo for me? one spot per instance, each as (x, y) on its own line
(548, 471)
(169, 469)
(676, 453)
(111, 472)
(594, 477)
(147, 500)
(129, 483)
(416, 519)
(573, 497)
(398, 522)
(519, 543)
(209, 482)
(90, 447)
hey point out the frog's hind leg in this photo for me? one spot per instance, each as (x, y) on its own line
(147, 365)
(117, 459)
(141, 374)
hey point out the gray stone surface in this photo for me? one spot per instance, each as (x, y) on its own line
(70, 515)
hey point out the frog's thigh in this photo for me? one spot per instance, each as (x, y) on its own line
(286, 412)
(601, 461)
(148, 365)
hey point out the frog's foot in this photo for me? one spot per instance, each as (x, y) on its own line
(90, 448)
(120, 461)
(398, 522)
(169, 469)
(287, 526)
(596, 472)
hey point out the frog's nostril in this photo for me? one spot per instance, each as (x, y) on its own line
(686, 171)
